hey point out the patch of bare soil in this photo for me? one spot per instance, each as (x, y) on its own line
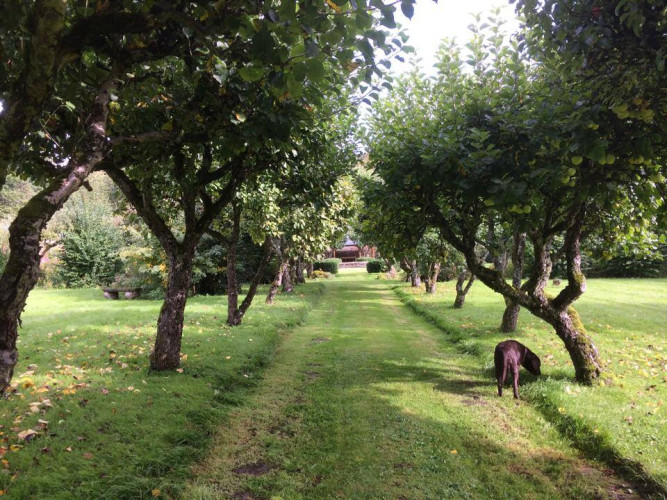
(319, 340)
(257, 469)
(312, 375)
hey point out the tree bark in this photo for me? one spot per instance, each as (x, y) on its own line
(299, 270)
(237, 317)
(557, 311)
(415, 279)
(309, 270)
(462, 291)
(22, 269)
(288, 286)
(512, 308)
(432, 278)
(277, 281)
(166, 354)
(232, 282)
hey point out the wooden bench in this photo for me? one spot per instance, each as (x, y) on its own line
(130, 293)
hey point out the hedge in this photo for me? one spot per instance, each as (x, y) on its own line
(375, 266)
(328, 265)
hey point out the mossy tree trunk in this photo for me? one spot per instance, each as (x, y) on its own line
(557, 311)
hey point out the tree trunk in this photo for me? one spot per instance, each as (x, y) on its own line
(415, 279)
(288, 287)
(462, 291)
(432, 279)
(277, 281)
(22, 269)
(166, 354)
(299, 270)
(309, 270)
(232, 282)
(511, 314)
(579, 345)
(238, 314)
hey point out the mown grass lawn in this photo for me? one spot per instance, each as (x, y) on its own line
(366, 400)
(624, 419)
(106, 427)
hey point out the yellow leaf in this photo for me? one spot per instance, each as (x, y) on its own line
(335, 7)
(453, 452)
(155, 493)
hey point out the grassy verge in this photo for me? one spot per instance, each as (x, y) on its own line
(622, 422)
(366, 401)
(105, 426)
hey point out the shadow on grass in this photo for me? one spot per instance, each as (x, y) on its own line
(582, 435)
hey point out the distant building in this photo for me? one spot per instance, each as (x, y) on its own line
(350, 251)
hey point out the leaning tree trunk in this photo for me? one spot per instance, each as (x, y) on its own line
(461, 290)
(277, 281)
(22, 269)
(415, 279)
(166, 354)
(235, 317)
(583, 353)
(512, 308)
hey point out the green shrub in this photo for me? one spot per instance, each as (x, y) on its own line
(321, 274)
(365, 259)
(90, 247)
(375, 266)
(328, 265)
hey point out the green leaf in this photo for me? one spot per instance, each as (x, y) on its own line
(407, 8)
(315, 70)
(251, 73)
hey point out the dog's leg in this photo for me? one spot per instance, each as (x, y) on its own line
(501, 381)
(515, 376)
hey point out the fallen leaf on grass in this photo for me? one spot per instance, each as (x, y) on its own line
(88, 456)
(69, 448)
(179, 370)
(155, 493)
(27, 435)
(453, 452)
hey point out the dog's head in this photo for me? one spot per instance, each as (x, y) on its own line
(532, 363)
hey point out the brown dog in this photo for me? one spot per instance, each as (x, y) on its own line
(509, 355)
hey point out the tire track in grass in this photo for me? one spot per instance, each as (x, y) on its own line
(364, 400)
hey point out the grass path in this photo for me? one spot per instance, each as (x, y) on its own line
(366, 400)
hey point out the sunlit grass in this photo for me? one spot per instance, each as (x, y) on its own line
(623, 419)
(366, 400)
(106, 426)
